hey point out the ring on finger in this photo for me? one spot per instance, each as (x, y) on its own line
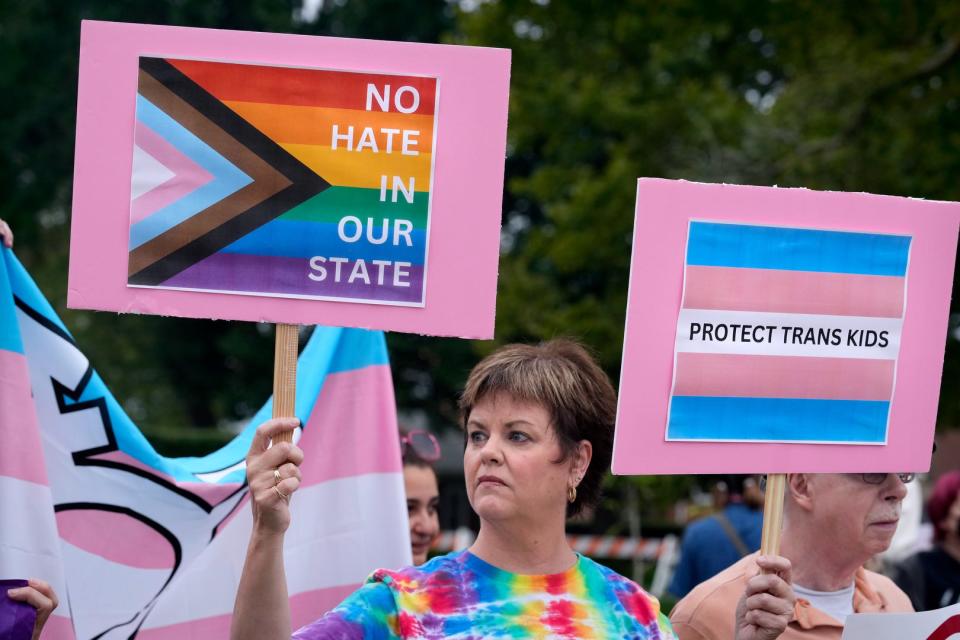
(276, 477)
(283, 496)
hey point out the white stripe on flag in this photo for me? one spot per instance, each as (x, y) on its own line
(29, 543)
(340, 529)
(787, 334)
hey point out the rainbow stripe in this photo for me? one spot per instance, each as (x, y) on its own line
(245, 173)
(801, 369)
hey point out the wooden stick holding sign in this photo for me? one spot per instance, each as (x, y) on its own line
(773, 514)
(285, 376)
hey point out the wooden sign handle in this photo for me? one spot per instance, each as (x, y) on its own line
(773, 514)
(285, 376)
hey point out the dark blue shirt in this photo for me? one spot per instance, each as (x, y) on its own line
(707, 550)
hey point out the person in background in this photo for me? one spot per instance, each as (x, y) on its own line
(712, 544)
(832, 524)
(419, 449)
(932, 578)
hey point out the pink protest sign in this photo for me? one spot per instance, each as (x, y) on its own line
(783, 330)
(288, 179)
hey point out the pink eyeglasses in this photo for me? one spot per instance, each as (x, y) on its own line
(423, 444)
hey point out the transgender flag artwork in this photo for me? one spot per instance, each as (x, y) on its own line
(282, 181)
(139, 545)
(787, 334)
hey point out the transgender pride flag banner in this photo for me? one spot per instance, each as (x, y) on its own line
(787, 334)
(140, 545)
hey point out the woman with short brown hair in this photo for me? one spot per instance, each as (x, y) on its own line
(539, 424)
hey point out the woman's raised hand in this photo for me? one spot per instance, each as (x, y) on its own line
(273, 474)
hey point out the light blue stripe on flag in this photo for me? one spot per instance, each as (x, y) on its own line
(9, 328)
(756, 247)
(777, 419)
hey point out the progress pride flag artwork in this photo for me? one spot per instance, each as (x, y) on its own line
(278, 181)
(787, 334)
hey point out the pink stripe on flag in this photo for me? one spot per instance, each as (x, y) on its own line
(741, 376)
(308, 606)
(353, 411)
(780, 291)
(116, 537)
(188, 175)
(21, 451)
(304, 609)
(58, 628)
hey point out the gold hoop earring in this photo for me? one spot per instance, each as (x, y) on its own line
(571, 494)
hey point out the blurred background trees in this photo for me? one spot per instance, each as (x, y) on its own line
(848, 96)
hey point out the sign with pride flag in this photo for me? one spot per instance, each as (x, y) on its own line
(783, 330)
(216, 168)
(787, 334)
(281, 182)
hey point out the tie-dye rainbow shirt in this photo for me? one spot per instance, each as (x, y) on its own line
(461, 596)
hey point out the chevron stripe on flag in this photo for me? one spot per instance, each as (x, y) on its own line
(140, 545)
(788, 334)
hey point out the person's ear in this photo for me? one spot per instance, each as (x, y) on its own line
(800, 490)
(581, 460)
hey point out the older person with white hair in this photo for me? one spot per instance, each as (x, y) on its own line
(833, 524)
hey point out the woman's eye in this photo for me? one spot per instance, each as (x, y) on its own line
(518, 436)
(477, 436)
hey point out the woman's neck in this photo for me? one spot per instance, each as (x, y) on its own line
(521, 550)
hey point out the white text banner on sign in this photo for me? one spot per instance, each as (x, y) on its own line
(787, 334)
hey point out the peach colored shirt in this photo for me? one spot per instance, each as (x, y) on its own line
(707, 612)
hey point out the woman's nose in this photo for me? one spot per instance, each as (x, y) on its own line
(491, 451)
